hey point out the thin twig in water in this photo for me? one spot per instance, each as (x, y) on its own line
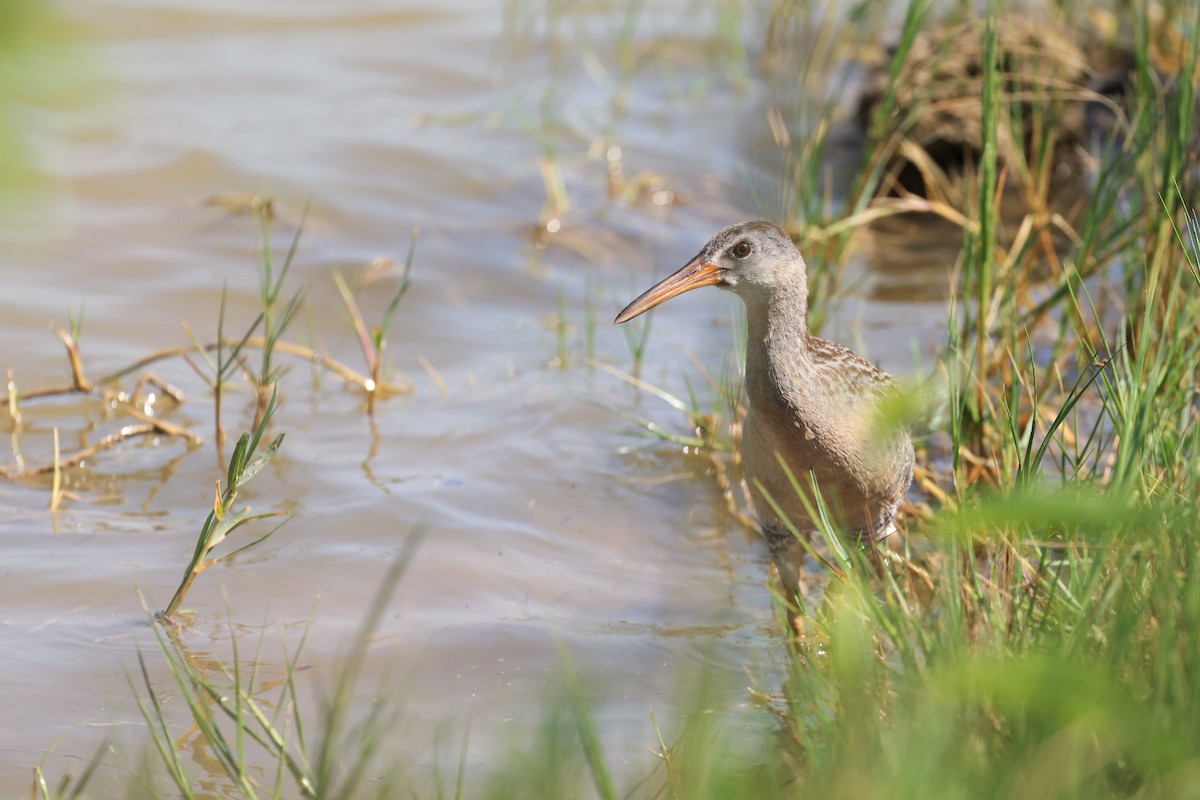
(427, 365)
(127, 432)
(162, 426)
(80, 382)
(167, 389)
(668, 398)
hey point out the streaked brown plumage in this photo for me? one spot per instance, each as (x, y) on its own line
(812, 402)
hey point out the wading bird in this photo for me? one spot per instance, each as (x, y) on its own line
(813, 404)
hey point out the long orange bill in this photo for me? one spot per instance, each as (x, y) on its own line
(693, 275)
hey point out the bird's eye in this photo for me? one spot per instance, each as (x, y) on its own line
(742, 249)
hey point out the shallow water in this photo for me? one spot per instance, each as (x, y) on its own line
(543, 526)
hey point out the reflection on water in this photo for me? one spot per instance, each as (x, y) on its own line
(480, 128)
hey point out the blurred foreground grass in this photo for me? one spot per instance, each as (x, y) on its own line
(42, 67)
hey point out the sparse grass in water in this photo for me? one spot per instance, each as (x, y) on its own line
(637, 335)
(332, 756)
(277, 314)
(562, 331)
(223, 357)
(374, 343)
(245, 462)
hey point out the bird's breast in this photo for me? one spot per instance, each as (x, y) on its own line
(821, 445)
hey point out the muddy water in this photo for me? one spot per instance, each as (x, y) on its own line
(546, 522)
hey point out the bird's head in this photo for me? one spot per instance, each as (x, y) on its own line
(750, 258)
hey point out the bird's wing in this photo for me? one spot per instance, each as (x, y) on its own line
(847, 370)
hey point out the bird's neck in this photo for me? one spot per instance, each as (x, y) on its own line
(777, 343)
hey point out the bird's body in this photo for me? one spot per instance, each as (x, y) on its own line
(812, 404)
